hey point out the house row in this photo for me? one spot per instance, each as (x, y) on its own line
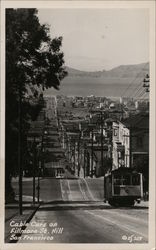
(94, 148)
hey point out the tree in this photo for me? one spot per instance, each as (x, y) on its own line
(34, 62)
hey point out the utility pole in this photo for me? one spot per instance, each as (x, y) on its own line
(74, 156)
(101, 141)
(79, 155)
(84, 161)
(101, 112)
(38, 183)
(40, 168)
(92, 155)
(34, 166)
(130, 146)
(69, 149)
(20, 161)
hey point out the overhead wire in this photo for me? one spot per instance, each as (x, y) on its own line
(143, 97)
(123, 93)
(140, 91)
(137, 91)
(139, 85)
(141, 94)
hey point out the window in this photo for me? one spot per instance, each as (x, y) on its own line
(135, 179)
(115, 132)
(117, 180)
(126, 180)
(116, 190)
(122, 180)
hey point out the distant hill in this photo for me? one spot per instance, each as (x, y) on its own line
(102, 83)
(137, 70)
(75, 72)
(122, 71)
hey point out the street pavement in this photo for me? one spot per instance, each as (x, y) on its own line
(73, 211)
(64, 189)
(87, 225)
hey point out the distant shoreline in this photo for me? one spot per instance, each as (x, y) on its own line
(112, 91)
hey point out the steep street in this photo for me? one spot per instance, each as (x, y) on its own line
(72, 208)
(80, 224)
(73, 211)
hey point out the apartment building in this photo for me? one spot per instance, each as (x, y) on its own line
(130, 141)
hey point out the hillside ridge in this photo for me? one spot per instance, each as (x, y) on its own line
(121, 71)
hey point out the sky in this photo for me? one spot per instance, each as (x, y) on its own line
(100, 39)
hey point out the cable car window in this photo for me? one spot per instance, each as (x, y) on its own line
(135, 180)
(117, 190)
(117, 180)
(126, 180)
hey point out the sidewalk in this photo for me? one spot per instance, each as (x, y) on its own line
(142, 204)
(12, 216)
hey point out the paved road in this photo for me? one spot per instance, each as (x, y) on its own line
(87, 225)
(52, 189)
(77, 214)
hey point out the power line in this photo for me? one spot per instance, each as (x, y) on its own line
(137, 89)
(145, 85)
(143, 97)
(141, 94)
(140, 90)
(133, 80)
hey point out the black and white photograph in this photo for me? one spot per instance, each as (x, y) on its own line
(78, 124)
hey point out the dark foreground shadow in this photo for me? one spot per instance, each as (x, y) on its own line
(82, 205)
(72, 205)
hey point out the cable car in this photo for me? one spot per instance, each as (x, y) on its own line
(123, 187)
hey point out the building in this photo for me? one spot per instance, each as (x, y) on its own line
(131, 144)
(124, 100)
(142, 105)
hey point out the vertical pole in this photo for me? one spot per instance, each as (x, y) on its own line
(63, 134)
(69, 149)
(78, 156)
(101, 141)
(122, 112)
(20, 165)
(102, 167)
(92, 156)
(38, 182)
(84, 161)
(74, 156)
(34, 165)
(42, 160)
(38, 188)
(130, 147)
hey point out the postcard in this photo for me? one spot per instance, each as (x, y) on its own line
(77, 125)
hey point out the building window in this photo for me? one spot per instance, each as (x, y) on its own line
(115, 132)
(127, 140)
